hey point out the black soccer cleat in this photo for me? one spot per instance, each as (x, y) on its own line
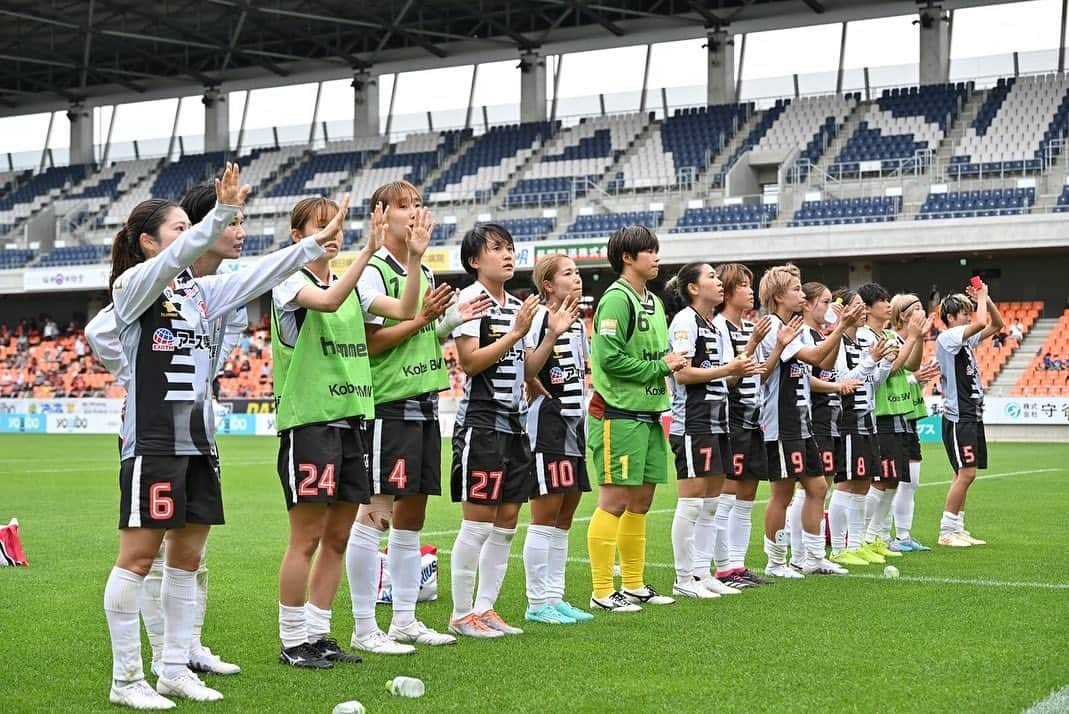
(330, 650)
(304, 655)
(751, 577)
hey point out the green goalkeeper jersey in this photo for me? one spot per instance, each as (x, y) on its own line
(630, 338)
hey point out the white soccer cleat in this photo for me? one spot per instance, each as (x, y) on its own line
(646, 595)
(823, 567)
(378, 643)
(714, 585)
(139, 695)
(417, 633)
(188, 686)
(692, 588)
(202, 659)
(782, 571)
(954, 540)
(613, 602)
(969, 537)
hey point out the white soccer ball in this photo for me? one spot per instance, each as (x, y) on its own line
(350, 707)
(890, 572)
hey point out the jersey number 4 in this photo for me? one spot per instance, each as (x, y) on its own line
(313, 482)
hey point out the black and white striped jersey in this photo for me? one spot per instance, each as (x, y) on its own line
(855, 362)
(826, 407)
(744, 397)
(170, 326)
(786, 392)
(698, 408)
(494, 399)
(959, 378)
(556, 424)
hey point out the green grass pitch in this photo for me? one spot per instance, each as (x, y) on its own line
(979, 629)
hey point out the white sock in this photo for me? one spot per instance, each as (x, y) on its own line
(739, 526)
(948, 524)
(961, 520)
(683, 523)
(706, 539)
(777, 553)
(149, 603)
(880, 514)
(839, 514)
(291, 626)
(794, 525)
(872, 501)
(178, 599)
(855, 521)
(721, 551)
(362, 566)
(493, 564)
(558, 564)
(202, 605)
(902, 506)
(814, 546)
(464, 563)
(121, 595)
(316, 622)
(536, 563)
(883, 525)
(404, 563)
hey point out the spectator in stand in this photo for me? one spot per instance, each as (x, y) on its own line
(245, 366)
(22, 341)
(934, 298)
(1017, 331)
(265, 373)
(51, 330)
(79, 345)
(1051, 363)
(245, 343)
(999, 340)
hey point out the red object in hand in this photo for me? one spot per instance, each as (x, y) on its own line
(976, 282)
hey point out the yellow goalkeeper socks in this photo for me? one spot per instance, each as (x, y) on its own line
(631, 540)
(601, 544)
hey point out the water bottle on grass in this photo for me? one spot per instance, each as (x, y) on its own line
(406, 687)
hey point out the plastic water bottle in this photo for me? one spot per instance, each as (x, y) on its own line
(406, 687)
(351, 707)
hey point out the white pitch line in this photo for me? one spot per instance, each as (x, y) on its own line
(1056, 703)
(661, 511)
(923, 579)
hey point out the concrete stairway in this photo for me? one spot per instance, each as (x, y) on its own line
(1006, 379)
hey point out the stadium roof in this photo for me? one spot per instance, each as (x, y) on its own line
(54, 52)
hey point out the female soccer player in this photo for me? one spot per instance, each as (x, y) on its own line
(903, 309)
(963, 401)
(699, 432)
(556, 371)
(629, 361)
(169, 325)
(323, 392)
(827, 388)
(857, 457)
(103, 335)
(407, 371)
(792, 453)
(492, 463)
(892, 404)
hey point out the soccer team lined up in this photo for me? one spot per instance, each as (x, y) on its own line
(825, 388)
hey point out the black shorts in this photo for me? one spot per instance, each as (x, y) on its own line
(966, 444)
(491, 467)
(894, 457)
(793, 459)
(858, 458)
(556, 473)
(700, 455)
(749, 462)
(829, 449)
(913, 442)
(170, 491)
(406, 457)
(323, 464)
